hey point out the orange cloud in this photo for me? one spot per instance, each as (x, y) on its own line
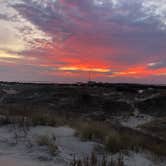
(70, 68)
(140, 71)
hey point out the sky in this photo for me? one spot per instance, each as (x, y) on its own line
(68, 40)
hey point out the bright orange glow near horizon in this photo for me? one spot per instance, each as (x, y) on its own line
(69, 68)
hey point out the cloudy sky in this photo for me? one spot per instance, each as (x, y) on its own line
(62, 40)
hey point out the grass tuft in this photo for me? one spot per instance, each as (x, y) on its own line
(93, 160)
(49, 142)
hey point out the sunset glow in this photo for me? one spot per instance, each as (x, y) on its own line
(100, 70)
(62, 40)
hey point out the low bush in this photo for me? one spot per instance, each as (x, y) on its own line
(91, 131)
(114, 143)
(49, 142)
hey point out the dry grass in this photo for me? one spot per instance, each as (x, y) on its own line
(36, 115)
(93, 160)
(104, 133)
(49, 142)
(119, 140)
(91, 130)
(115, 140)
(156, 127)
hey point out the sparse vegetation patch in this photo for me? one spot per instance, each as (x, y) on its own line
(49, 142)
